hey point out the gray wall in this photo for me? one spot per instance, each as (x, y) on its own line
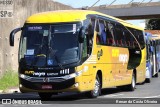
(22, 9)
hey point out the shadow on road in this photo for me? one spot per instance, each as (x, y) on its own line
(60, 97)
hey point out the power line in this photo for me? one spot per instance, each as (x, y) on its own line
(141, 2)
(131, 2)
(111, 3)
(94, 4)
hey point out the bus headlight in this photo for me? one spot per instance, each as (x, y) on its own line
(76, 74)
(23, 76)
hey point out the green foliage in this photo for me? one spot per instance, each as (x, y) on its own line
(153, 24)
(9, 79)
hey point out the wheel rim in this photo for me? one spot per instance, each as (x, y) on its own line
(133, 82)
(97, 86)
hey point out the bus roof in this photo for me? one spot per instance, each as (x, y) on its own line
(70, 16)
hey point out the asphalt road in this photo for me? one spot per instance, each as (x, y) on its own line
(148, 93)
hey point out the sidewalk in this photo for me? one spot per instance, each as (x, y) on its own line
(10, 90)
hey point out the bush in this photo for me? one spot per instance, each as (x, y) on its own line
(8, 80)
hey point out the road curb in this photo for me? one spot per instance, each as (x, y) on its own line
(11, 90)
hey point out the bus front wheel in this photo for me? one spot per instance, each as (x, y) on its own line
(97, 89)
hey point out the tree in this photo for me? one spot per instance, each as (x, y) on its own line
(153, 24)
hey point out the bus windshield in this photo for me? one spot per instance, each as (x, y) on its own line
(49, 45)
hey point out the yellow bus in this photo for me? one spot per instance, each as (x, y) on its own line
(79, 51)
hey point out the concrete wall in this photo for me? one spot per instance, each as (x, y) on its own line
(22, 9)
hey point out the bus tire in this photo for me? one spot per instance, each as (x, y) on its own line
(45, 96)
(131, 87)
(156, 75)
(148, 80)
(97, 89)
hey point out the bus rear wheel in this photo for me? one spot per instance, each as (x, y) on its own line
(132, 86)
(148, 80)
(156, 75)
(97, 89)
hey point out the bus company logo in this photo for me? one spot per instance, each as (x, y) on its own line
(39, 74)
(29, 72)
(115, 52)
(99, 54)
(123, 58)
(46, 79)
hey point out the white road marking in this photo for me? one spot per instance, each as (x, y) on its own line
(157, 96)
(112, 95)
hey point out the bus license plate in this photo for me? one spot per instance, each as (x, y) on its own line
(46, 86)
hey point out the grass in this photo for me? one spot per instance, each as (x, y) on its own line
(8, 80)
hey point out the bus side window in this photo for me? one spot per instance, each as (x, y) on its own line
(123, 37)
(108, 34)
(93, 25)
(127, 35)
(102, 32)
(85, 51)
(112, 34)
(90, 33)
(141, 39)
(119, 35)
(98, 39)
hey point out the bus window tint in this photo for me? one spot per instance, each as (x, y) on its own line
(141, 39)
(98, 39)
(102, 32)
(127, 36)
(93, 24)
(89, 25)
(119, 35)
(110, 34)
(84, 51)
(133, 34)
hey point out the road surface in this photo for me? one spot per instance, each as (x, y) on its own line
(148, 93)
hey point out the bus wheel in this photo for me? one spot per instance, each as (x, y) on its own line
(148, 80)
(97, 89)
(45, 96)
(132, 86)
(156, 75)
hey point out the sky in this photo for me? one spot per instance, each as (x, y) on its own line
(83, 3)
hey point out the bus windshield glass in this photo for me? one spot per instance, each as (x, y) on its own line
(50, 45)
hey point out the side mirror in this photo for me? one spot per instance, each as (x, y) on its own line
(11, 39)
(82, 34)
